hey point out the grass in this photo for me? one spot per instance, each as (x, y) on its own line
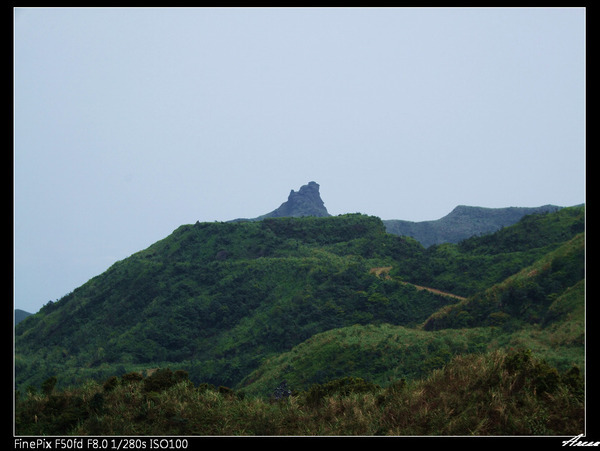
(496, 393)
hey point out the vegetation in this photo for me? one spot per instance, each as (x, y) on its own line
(497, 393)
(381, 354)
(249, 305)
(524, 297)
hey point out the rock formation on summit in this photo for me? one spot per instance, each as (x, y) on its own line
(304, 202)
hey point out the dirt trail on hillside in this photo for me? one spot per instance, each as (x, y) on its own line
(433, 290)
(384, 270)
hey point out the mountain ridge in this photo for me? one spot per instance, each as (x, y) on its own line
(463, 222)
(20, 315)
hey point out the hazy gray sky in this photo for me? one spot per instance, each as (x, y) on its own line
(130, 122)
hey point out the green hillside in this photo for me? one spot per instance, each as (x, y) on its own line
(247, 305)
(477, 263)
(381, 353)
(217, 298)
(541, 308)
(525, 297)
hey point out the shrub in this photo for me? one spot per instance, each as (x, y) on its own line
(180, 376)
(111, 383)
(225, 391)
(160, 380)
(535, 375)
(342, 387)
(61, 413)
(97, 402)
(48, 385)
(131, 377)
(574, 380)
(204, 386)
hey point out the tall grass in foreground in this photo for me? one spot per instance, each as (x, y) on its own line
(498, 393)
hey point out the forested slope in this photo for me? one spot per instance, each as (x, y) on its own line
(221, 300)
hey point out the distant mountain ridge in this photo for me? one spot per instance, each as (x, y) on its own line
(463, 222)
(20, 315)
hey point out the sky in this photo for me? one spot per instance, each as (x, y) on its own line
(129, 122)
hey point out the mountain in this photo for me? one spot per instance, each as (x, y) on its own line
(304, 202)
(20, 315)
(462, 222)
(221, 300)
(316, 302)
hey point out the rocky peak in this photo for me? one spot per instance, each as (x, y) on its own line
(304, 202)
